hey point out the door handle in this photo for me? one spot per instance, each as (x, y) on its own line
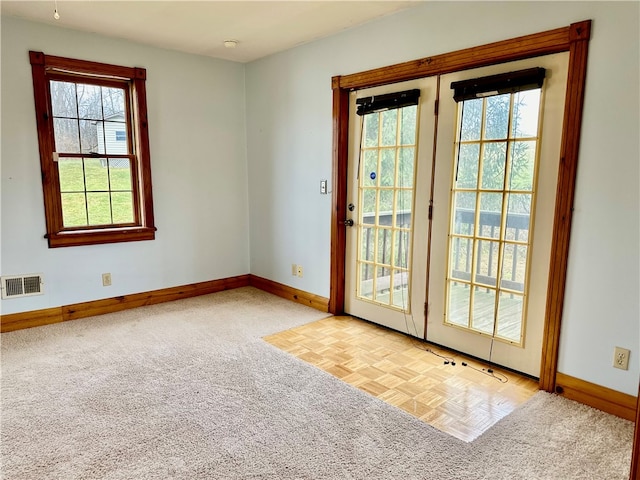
(348, 223)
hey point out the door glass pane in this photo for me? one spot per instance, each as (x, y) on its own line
(386, 189)
(389, 127)
(523, 158)
(461, 258)
(467, 173)
(369, 173)
(401, 289)
(486, 262)
(496, 116)
(483, 310)
(471, 113)
(384, 246)
(510, 308)
(370, 137)
(458, 304)
(401, 257)
(490, 215)
(526, 107)
(494, 159)
(406, 160)
(388, 168)
(464, 208)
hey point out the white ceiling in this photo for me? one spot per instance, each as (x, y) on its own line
(260, 27)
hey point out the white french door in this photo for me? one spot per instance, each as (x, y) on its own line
(494, 199)
(494, 186)
(389, 178)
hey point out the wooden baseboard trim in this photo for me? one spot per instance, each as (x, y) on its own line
(19, 321)
(34, 318)
(290, 293)
(596, 396)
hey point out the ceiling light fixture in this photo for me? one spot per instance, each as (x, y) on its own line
(230, 43)
(56, 15)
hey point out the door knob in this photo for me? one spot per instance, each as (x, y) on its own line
(348, 223)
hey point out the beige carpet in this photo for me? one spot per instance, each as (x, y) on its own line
(188, 390)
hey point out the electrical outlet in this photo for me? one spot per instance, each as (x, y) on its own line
(621, 358)
(106, 279)
(323, 187)
(299, 270)
(294, 269)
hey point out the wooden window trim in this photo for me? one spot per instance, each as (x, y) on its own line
(143, 227)
(573, 39)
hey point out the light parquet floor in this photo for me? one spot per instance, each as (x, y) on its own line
(397, 369)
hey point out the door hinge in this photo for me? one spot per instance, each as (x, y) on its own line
(426, 310)
(436, 107)
(430, 212)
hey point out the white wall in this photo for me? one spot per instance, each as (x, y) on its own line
(289, 152)
(196, 108)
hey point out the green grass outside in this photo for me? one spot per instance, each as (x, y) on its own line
(109, 198)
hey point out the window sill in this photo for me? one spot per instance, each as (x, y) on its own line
(97, 237)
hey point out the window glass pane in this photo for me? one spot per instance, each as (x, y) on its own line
(408, 125)
(400, 292)
(369, 177)
(514, 267)
(497, 117)
(526, 106)
(459, 303)
(523, 158)
(122, 207)
(384, 246)
(71, 175)
(63, 99)
(494, 159)
(66, 135)
(490, 215)
(388, 167)
(74, 210)
(113, 131)
(120, 174)
(371, 124)
(99, 208)
(510, 309)
(113, 102)
(406, 166)
(89, 101)
(471, 119)
(487, 262)
(91, 140)
(461, 258)
(484, 306)
(389, 127)
(96, 174)
(467, 175)
(464, 207)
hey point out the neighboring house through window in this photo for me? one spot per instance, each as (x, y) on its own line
(94, 151)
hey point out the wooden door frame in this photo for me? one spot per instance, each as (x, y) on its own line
(573, 39)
